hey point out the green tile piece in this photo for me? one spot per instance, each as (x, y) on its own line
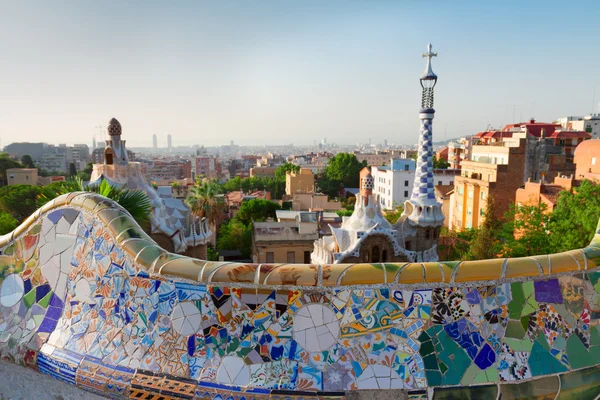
(423, 337)
(541, 339)
(578, 355)
(525, 322)
(542, 362)
(426, 348)
(582, 384)
(443, 368)
(44, 301)
(559, 343)
(481, 377)
(29, 298)
(519, 345)
(466, 393)
(430, 362)
(515, 307)
(469, 374)
(594, 336)
(539, 389)
(530, 307)
(566, 314)
(434, 378)
(515, 330)
(455, 358)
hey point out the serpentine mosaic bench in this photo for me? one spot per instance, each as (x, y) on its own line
(88, 298)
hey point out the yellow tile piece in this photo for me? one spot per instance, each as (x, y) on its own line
(235, 272)
(563, 262)
(412, 273)
(73, 195)
(92, 201)
(448, 271)
(544, 262)
(294, 274)
(481, 270)
(391, 271)
(332, 272)
(522, 267)
(433, 273)
(134, 246)
(108, 215)
(209, 268)
(363, 274)
(163, 259)
(188, 268)
(148, 255)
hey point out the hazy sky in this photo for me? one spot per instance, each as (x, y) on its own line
(284, 71)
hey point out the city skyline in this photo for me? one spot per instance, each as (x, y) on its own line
(279, 73)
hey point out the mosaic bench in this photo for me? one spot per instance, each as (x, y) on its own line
(88, 298)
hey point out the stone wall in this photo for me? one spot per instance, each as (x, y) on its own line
(87, 298)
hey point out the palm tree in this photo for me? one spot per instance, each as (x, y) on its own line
(206, 201)
(135, 202)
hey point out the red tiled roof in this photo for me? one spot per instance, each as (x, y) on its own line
(534, 128)
(569, 135)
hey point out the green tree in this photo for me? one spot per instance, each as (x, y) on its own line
(344, 213)
(19, 200)
(392, 216)
(7, 223)
(440, 164)
(27, 161)
(135, 202)
(455, 245)
(235, 235)
(72, 170)
(5, 163)
(575, 217)
(486, 243)
(206, 201)
(525, 232)
(86, 174)
(343, 171)
(256, 210)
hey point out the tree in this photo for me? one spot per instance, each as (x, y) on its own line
(344, 213)
(86, 174)
(72, 170)
(235, 235)
(392, 216)
(525, 232)
(19, 200)
(256, 210)
(343, 171)
(135, 202)
(486, 243)
(27, 161)
(575, 217)
(206, 201)
(5, 163)
(7, 223)
(440, 164)
(455, 245)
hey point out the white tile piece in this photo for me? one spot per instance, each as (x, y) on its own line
(233, 370)
(46, 226)
(315, 327)
(63, 242)
(51, 272)
(74, 227)
(83, 290)
(46, 253)
(63, 226)
(11, 291)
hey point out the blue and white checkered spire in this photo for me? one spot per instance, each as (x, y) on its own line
(423, 192)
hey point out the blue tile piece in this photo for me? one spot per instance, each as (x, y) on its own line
(55, 216)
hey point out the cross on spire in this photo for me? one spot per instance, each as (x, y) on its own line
(429, 53)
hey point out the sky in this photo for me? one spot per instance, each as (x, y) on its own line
(279, 72)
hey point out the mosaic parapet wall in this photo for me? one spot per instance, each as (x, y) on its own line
(87, 298)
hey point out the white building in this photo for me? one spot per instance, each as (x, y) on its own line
(589, 124)
(394, 182)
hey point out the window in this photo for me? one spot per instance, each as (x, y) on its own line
(470, 194)
(460, 191)
(405, 183)
(593, 160)
(408, 245)
(439, 182)
(452, 183)
(406, 193)
(270, 257)
(406, 167)
(460, 207)
(469, 211)
(483, 195)
(427, 234)
(291, 257)
(389, 192)
(384, 256)
(481, 212)
(307, 257)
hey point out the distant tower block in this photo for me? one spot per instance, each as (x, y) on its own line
(154, 141)
(169, 142)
